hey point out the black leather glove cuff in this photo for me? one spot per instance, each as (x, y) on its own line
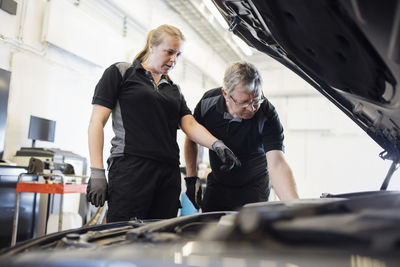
(191, 180)
(193, 190)
(97, 172)
(217, 144)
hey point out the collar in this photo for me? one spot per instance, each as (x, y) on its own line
(137, 65)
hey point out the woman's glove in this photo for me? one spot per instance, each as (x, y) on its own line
(96, 190)
(194, 191)
(229, 160)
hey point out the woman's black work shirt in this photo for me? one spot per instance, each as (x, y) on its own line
(145, 116)
(248, 139)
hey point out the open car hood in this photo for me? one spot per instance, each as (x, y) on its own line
(347, 230)
(348, 50)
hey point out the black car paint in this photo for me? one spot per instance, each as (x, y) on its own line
(347, 50)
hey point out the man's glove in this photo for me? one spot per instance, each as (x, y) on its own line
(96, 190)
(194, 191)
(229, 160)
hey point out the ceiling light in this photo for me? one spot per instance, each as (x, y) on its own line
(213, 9)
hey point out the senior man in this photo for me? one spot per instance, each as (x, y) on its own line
(240, 116)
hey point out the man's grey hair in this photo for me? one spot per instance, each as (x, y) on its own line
(245, 74)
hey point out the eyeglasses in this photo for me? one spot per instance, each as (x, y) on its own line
(254, 102)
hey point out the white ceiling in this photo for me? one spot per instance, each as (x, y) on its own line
(263, 61)
(196, 14)
(199, 16)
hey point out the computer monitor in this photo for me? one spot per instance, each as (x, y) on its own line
(41, 129)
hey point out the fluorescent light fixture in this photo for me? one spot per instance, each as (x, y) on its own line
(213, 9)
(187, 249)
(243, 46)
(178, 258)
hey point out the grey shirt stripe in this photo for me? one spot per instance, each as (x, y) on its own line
(207, 103)
(118, 141)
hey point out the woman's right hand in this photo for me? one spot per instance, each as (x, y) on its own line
(97, 187)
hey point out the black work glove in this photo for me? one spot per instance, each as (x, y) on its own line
(229, 160)
(194, 191)
(96, 190)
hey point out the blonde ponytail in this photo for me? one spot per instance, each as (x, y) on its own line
(156, 37)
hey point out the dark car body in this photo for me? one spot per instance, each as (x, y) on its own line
(350, 52)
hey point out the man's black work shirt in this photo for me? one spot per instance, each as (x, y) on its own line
(145, 116)
(248, 139)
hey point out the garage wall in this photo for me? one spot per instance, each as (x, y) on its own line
(54, 76)
(327, 151)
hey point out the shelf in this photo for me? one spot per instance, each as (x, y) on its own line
(50, 188)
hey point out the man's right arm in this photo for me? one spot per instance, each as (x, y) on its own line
(193, 185)
(191, 151)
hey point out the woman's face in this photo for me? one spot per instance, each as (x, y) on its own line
(164, 56)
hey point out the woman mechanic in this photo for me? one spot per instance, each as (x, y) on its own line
(144, 180)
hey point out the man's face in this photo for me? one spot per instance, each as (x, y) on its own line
(240, 103)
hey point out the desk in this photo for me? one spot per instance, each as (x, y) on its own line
(47, 188)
